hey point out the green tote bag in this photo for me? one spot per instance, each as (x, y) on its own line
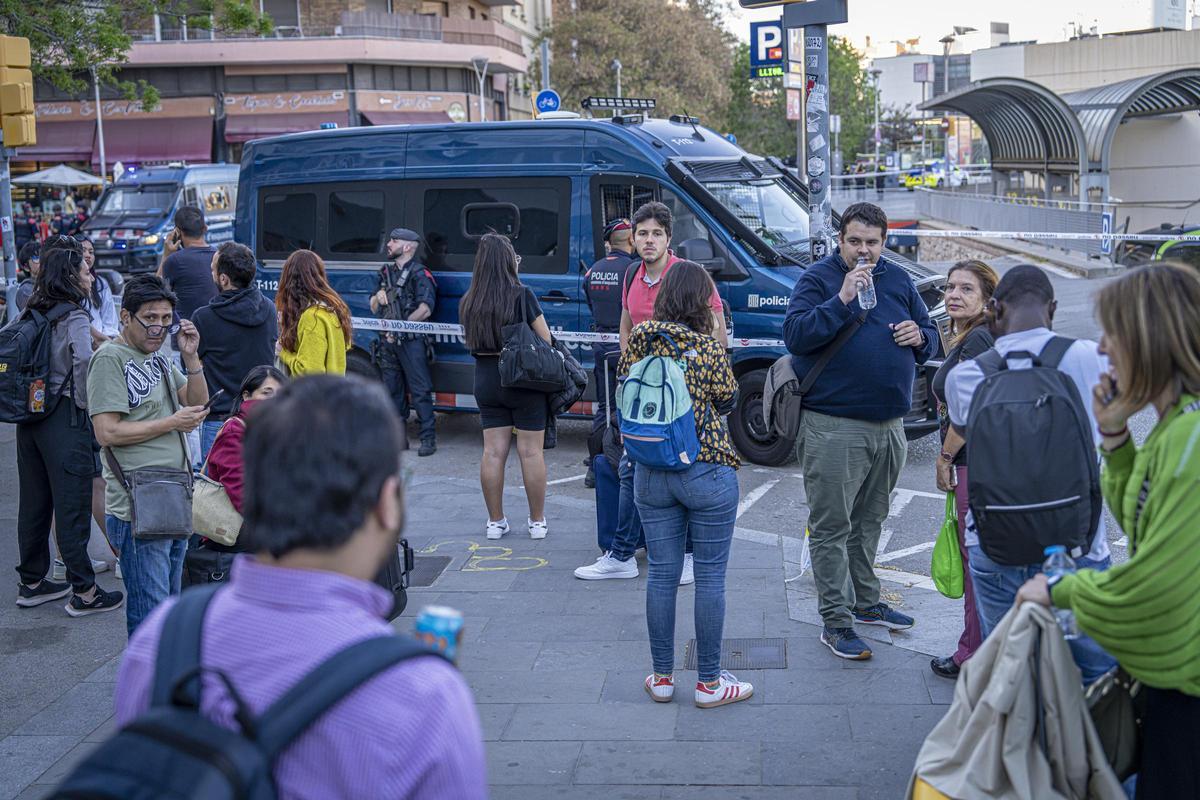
(947, 566)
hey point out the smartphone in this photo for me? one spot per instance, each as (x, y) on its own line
(213, 398)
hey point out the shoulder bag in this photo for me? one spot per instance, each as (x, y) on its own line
(160, 498)
(783, 392)
(527, 361)
(213, 514)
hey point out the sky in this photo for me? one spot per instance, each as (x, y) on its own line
(1043, 20)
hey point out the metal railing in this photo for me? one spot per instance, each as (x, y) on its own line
(989, 212)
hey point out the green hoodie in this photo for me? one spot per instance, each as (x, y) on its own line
(1146, 612)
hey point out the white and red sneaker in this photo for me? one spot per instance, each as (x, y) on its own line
(728, 690)
(661, 688)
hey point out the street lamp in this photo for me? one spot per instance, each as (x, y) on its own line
(875, 73)
(480, 63)
(616, 65)
(947, 40)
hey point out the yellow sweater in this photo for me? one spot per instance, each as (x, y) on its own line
(320, 344)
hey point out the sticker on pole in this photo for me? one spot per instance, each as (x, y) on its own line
(547, 101)
(816, 167)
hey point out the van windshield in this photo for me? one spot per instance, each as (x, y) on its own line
(150, 198)
(768, 209)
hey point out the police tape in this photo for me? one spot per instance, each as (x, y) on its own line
(930, 233)
(444, 329)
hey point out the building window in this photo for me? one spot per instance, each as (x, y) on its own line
(288, 222)
(433, 8)
(356, 222)
(285, 14)
(472, 12)
(379, 6)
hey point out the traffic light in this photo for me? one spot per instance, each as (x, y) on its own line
(16, 92)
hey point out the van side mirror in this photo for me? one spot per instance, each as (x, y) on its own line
(700, 250)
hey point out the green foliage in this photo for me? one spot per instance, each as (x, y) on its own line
(853, 97)
(675, 52)
(70, 38)
(757, 112)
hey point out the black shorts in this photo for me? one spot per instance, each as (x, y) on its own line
(522, 409)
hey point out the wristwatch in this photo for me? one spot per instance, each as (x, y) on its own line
(949, 459)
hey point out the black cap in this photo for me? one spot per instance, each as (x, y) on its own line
(404, 234)
(619, 224)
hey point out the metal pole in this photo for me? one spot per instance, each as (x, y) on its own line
(6, 229)
(100, 131)
(924, 116)
(616, 64)
(877, 122)
(545, 64)
(816, 123)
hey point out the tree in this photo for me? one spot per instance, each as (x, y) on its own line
(852, 97)
(70, 38)
(757, 112)
(677, 53)
(898, 124)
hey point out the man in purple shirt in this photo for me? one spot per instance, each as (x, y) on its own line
(324, 502)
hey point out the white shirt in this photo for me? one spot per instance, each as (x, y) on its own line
(1082, 363)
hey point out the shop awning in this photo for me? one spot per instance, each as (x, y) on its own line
(376, 117)
(61, 141)
(147, 140)
(244, 127)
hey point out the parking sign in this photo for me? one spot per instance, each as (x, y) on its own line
(766, 44)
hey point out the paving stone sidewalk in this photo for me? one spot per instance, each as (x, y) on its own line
(557, 665)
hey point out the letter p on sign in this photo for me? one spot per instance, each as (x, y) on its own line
(766, 44)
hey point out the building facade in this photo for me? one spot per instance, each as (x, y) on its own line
(327, 62)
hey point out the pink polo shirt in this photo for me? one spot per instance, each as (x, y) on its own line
(638, 300)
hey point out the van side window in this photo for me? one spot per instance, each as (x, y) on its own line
(356, 223)
(289, 222)
(533, 211)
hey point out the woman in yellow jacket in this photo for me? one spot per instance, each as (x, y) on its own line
(314, 322)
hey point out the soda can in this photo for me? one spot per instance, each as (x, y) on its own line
(441, 628)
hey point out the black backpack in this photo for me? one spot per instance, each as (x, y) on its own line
(172, 752)
(24, 360)
(1033, 477)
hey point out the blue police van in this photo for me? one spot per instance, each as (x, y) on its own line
(551, 185)
(132, 218)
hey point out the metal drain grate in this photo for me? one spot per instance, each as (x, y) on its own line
(745, 654)
(426, 569)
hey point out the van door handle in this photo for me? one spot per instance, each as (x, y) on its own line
(554, 297)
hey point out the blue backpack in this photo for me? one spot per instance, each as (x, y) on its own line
(658, 425)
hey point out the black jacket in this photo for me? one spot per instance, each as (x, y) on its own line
(560, 402)
(238, 330)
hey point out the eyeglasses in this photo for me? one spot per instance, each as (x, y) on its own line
(518, 260)
(155, 331)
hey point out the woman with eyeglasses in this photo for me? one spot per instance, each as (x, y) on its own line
(314, 322)
(55, 458)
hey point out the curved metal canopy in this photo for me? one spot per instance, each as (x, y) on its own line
(1028, 127)
(1102, 110)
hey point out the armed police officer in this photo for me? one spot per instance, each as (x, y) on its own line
(407, 292)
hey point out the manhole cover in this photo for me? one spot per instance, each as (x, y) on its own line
(745, 654)
(426, 570)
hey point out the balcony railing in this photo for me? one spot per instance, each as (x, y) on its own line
(368, 25)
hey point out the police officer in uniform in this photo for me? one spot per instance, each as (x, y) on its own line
(407, 292)
(603, 284)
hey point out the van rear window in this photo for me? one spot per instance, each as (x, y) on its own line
(289, 222)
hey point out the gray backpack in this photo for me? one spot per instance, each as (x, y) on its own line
(1033, 473)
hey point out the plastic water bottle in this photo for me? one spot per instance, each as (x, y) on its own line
(866, 289)
(1059, 563)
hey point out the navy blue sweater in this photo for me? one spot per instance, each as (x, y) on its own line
(871, 378)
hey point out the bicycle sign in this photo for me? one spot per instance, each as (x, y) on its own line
(548, 100)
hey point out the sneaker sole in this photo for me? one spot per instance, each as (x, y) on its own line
(605, 576)
(541, 535)
(87, 612)
(891, 626)
(34, 602)
(495, 536)
(655, 697)
(848, 656)
(728, 701)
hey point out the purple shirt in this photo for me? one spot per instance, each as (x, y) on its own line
(410, 732)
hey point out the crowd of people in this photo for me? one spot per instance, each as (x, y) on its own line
(198, 348)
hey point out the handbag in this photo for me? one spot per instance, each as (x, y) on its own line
(213, 514)
(1117, 706)
(946, 568)
(527, 361)
(203, 565)
(783, 393)
(160, 498)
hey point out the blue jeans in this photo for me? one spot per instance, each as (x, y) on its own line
(996, 588)
(152, 569)
(629, 535)
(208, 435)
(702, 500)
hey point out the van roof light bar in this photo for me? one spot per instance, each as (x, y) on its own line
(618, 103)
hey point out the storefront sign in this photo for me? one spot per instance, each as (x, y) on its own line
(172, 108)
(286, 102)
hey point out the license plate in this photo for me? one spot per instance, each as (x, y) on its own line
(110, 262)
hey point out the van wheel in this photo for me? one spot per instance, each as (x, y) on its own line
(749, 429)
(358, 362)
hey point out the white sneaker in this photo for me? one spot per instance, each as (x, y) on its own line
(59, 572)
(608, 567)
(728, 690)
(497, 529)
(661, 688)
(689, 572)
(537, 530)
(117, 570)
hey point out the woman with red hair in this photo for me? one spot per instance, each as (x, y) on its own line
(314, 322)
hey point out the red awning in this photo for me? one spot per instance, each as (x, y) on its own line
(61, 141)
(244, 127)
(376, 117)
(146, 140)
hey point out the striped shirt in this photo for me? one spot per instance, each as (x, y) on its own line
(411, 732)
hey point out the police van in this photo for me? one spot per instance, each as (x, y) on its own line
(131, 219)
(551, 185)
